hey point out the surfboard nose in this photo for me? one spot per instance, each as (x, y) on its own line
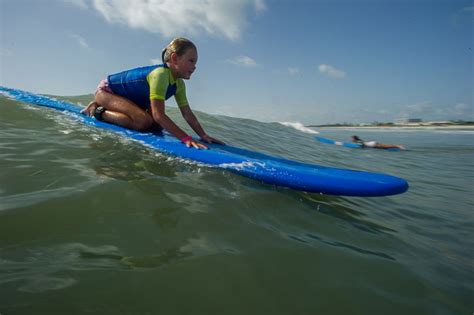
(394, 186)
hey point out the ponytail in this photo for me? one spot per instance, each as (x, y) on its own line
(163, 53)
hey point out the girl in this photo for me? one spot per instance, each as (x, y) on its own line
(375, 144)
(135, 98)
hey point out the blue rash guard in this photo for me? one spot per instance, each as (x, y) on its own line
(140, 85)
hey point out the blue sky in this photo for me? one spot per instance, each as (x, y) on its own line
(306, 61)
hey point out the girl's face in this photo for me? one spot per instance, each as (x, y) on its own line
(185, 64)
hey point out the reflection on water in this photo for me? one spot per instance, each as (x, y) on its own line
(129, 162)
(43, 268)
(154, 261)
(350, 247)
(11, 202)
(330, 205)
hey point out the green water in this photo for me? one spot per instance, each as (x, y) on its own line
(92, 223)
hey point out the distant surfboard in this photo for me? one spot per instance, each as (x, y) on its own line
(262, 167)
(350, 144)
(344, 144)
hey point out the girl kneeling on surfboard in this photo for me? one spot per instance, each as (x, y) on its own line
(135, 98)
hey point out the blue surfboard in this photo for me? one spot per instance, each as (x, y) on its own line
(344, 144)
(350, 144)
(265, 168)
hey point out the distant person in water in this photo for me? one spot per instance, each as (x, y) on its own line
(375, 144)
(135, 99)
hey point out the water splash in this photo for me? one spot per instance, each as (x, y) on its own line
(299, 126)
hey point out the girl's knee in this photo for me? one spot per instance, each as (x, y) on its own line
(101, 97)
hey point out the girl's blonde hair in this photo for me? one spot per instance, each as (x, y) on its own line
(179, 46)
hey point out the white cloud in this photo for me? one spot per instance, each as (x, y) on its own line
(331, 71)
(427, 110)
(244, 61)
(463, 109)
(224, 18)
(419, 107)
(80, 40)
(293, 71)
(260, 6)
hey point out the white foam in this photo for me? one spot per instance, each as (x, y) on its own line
(6, 94)
(242, 165)
(298, 126)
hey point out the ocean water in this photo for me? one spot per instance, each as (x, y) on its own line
(93, 223)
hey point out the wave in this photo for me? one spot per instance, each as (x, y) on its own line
(298, 126)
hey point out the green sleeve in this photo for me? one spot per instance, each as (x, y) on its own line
(180, 95)
(158, 81)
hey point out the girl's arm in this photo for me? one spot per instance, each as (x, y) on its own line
(194, 123)
(158, 113)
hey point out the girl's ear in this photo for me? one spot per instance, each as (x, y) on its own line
(174, 57)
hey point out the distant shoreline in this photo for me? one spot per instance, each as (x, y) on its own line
(450, 127)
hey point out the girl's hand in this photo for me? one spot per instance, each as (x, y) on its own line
(195, 144)
(210, 139)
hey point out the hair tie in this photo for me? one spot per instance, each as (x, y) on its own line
(163, 55)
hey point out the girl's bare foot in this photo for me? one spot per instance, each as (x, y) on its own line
(89, 110)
